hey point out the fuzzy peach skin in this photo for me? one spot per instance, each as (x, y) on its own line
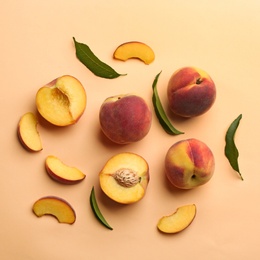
(125, 118)
(191, 92)
(189, 163)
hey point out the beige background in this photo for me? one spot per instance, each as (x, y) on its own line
(221, 37)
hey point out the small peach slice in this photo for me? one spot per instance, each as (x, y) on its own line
(28, 133)
(56, 207)
(177, 221)
(62, 101)
(134, 49)
(125, 177)
(63, 173)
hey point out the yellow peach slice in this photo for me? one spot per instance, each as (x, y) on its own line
(134, 49)
(56, 207)
(61, 172)
(62, 101)
(28, 133)
(125, 177)
(177, 221)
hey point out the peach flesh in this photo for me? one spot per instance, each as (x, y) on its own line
(125, 118)
(189, 163)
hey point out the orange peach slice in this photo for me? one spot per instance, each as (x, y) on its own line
(134, 49)
(125, 177)
(61, 172)
(56, 207)
(62, 101)
(179, 220)
(28, 133)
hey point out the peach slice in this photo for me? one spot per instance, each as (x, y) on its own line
(179, 220)
(134, 49)
(62, 101)
(28, 133)
(125, 177)
(56, 207)
(61, 172)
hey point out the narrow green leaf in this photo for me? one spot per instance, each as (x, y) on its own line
(96, 210)
(160, 113)
(91, 61)
(231, 150)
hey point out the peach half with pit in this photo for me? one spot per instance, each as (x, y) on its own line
(134, 50)
(125, 177)
(62, 101)
(56, 207)
(61, 172)
(125, 118)
(28, 133)
(191, 92)
(177, 221)
(189, 163)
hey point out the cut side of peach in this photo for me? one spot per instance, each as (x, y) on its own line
(62, 101)
(56, 207)
(61, 172)
(125, 177)
(134, 50)
(177, 221)
(28, 133)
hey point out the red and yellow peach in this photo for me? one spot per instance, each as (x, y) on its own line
(125, 118)
(189, 163)
(191, 92)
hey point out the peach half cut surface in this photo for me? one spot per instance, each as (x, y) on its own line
(125, 177)
(62, 101)
(56, 207)
(61, 172)
(28, 133)
(134, 50)
(177, 221)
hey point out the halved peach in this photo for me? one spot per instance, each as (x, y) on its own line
(179, 220)
(125, 177)
(134, 49)
(28, 133)
(62, 101)
(61, 172)
(56, 207)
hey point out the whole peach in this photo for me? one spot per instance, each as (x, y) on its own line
(189, 163)
(125, 118)
(191, 92)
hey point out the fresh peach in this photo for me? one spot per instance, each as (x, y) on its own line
(134, 50)
(189, 163)
(56, 207)
(125, 118)
(28, 133)
(62, 101)
(61, 172)
(125, 178)
(191, 92)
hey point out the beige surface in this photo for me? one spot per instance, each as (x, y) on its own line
(221, 37)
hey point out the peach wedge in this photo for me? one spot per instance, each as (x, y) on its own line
(61, 172)
(28, 133)
(125, 177)
(62, 101)
(56, 207)
(134, 49)
(179, 220)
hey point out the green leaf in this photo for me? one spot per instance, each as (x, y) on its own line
(231, 150)
(96, 210)
(160, 113)
(96, 66)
